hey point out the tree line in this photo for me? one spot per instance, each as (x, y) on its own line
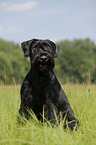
(75, 63)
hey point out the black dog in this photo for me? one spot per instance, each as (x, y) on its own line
(40, 89)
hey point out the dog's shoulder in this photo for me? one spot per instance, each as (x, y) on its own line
(26, 83)
(62, 98)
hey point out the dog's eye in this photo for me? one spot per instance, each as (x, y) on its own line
(48, 50)
(34, 50)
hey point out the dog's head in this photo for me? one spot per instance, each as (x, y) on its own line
(40, 52)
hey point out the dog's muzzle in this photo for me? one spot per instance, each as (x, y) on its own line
(43, 62)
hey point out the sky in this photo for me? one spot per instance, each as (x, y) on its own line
(56, 20)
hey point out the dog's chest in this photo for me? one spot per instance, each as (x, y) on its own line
(43, 95)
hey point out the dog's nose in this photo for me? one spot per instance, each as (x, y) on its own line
(43, 58)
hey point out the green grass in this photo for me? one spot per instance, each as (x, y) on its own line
(83, 101)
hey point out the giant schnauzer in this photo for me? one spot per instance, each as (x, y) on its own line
(41, 92)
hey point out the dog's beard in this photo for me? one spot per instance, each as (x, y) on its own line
(43, 66)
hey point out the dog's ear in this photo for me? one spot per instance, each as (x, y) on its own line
(26, 47)
(54, 53)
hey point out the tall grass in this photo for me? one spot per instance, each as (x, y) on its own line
(83, 101)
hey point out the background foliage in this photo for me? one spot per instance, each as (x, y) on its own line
(12, 63)
(76, 62)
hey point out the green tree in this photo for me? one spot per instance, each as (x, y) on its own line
(75, 59)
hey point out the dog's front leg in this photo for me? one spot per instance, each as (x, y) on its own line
(23, 111)
(65, 108)
(26, 99)
(70, 116)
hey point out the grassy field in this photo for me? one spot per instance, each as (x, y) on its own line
(83, 101)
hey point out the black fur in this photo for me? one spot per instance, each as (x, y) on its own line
(40, 87)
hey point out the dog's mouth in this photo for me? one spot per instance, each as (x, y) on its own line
(43, 66)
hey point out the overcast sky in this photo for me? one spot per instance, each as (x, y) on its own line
(47, 19)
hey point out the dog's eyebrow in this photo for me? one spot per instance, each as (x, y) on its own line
(41, 45)
(37, 44)
(46, 44)
(34, 45)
